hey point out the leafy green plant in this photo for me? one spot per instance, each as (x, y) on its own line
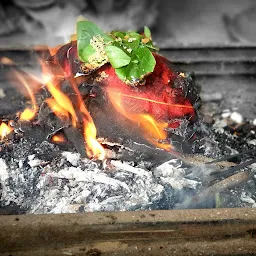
(130, 53)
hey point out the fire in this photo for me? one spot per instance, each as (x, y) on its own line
(57, 109)
(5, 130)
(154, 131)
(133, 105)
(54, 50)
(94, 148)
(62, 100)
(62, 106)
(28, 113)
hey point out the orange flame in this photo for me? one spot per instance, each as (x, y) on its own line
(154, 130)
(57, 109)
(62, 100)
(6, 61)
(94, 148)
(5, 130)
(62, 106)
(28, 113)
(54, 50)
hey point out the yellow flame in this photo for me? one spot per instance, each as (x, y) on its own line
(94, 148)
(28, 113)
(5, 130)
(57, 109)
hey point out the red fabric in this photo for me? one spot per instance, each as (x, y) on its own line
(158, 87)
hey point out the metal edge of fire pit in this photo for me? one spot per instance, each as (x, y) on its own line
(179, 232)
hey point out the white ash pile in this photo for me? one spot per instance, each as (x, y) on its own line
(70, 184)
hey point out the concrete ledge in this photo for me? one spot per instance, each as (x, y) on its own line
(183, 232)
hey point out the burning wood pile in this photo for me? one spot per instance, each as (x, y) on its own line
(107, 130)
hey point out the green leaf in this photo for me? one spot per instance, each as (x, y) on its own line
(134, 35)
(151, 47)
(86, 52)
(133, 69)
(130, 53)
(117, 57)
(119, 34)
(146, 59)
(131, 45)
(142, 63)
(120, 45)
(147, 32)
(121, 73)
(86, 30)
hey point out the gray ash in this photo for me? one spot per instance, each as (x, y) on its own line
(225, 136)
(38, 176)
(59, 186)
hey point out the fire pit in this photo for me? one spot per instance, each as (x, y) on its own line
(44, 164)
(199, 155)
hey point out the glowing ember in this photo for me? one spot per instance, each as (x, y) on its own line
(58, 138)
(6, 61)
(5, 130)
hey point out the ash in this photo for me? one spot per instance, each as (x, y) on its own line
(39, 177)
(69, 184)
(228, 133)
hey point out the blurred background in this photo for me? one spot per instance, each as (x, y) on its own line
(36, 22)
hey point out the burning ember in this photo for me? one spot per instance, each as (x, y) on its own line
(5, 129)
(58, 138)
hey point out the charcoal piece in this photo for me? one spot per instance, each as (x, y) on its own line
(76, 137)
(49, 120)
